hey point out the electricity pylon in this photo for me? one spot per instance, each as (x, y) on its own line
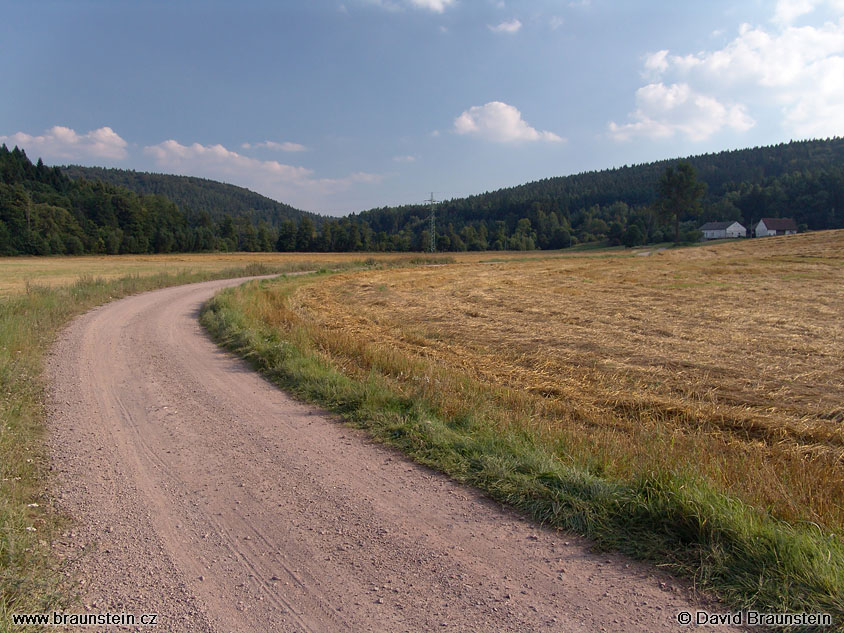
(432, 241)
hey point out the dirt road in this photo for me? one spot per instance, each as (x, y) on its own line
(204, 494)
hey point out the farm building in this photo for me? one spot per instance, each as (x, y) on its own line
(775, 226)
(721, 230)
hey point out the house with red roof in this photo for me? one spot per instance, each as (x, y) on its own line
(775, 226)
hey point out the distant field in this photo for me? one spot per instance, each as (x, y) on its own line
(724, 361)
(17, 272)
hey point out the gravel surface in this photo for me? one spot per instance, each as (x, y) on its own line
(204, 494)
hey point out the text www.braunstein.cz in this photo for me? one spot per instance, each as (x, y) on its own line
(58, 618)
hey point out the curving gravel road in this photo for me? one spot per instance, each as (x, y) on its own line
(204, 494)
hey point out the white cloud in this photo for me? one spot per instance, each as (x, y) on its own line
(384, 4)
(294, 185)
(556, 22)
(63, 143)
(173, 155)
(287, 146)
(778, 59)
(511, 26)
(789, 10)
(792, 74)
(666, 111)
(656, 62)
(437, 6)
(818, 112)
(501, 123)
(404, 159)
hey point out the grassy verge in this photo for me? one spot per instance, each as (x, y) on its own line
(464, 427)
(29, 574)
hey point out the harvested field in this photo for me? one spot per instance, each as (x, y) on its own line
(721, 361)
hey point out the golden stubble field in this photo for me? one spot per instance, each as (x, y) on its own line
(725, 360)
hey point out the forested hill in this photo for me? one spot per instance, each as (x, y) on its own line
(802, 180)
(196, 195)
(43, 212)
(724, 173)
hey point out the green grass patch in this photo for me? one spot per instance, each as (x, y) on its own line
(460, 427)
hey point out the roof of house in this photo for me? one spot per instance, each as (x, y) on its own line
(779, 224)
(719, 226)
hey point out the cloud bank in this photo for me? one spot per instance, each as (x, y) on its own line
(61, 143)
(295, 185)
(667, 111)
(795, 69)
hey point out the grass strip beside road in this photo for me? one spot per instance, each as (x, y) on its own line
(460, 426)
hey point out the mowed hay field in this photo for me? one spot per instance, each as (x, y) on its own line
(724, 361)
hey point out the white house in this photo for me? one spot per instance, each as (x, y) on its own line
(775, 226)
(722, 230)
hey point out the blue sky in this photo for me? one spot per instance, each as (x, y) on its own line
(339, 106)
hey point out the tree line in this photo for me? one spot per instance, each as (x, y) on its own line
(800, 180)
(44, 211)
